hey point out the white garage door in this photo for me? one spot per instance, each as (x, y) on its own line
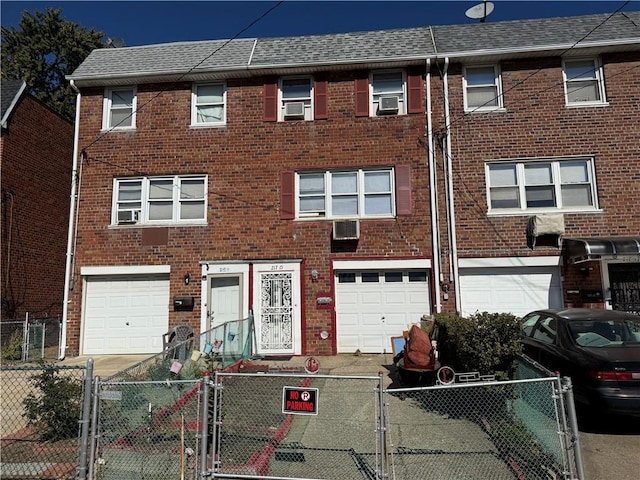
(125, 314)
(373, 306)
(517, 290)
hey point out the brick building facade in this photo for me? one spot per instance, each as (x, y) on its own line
(339, 196)
(35, 156)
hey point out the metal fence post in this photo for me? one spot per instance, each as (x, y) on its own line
(567, 391)
(204, 430)
(94, 427)
(84, 422)
(382, 429)
(25, 338)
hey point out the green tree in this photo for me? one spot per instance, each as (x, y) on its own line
(44, 49)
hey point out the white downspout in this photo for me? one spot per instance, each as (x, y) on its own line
(72, 207)
(435, 241)
(449, 180)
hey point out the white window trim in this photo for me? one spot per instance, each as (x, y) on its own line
(373, 106)
(144, 211)
(309, 113)
(361, 195)
(555, 165)
(194, 105)
(497, 79)
(106, 108)
(599, 79)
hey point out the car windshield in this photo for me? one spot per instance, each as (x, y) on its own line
(601, 333)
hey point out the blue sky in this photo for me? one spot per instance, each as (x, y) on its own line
(149, 22)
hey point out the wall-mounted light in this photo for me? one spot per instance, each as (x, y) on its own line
(187, 279)
(314, 275)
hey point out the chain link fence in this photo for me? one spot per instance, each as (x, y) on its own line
(41, 409)
(497, 430)
(146, 430)
(255, 435)
(215, 349)
(30, 340)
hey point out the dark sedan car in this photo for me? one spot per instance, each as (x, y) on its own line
(598, 349)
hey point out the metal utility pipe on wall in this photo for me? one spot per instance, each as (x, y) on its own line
(435, 236)
(70, 235)
(453, 262)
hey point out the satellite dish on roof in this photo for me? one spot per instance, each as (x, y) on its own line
(116, 42)
(481, 11)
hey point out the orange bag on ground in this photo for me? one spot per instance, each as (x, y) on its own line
(419, 352)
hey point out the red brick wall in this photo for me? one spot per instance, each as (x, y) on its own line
(37, 152)
(536, 123)
(244, 160)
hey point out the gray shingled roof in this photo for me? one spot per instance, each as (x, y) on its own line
(542, 34)
(166, 58)
(359, 47)
(239, 56)
(10, 91)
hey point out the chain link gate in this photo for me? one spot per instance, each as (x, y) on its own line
(143, 430)
(497, 430)
(256, 435)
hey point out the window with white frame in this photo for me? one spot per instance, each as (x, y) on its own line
(295, 98)
(346, 194)
(583, 82)
(208, 104)
(388, 93)
(157, 200)
(119, 108)
(482, 88)
(541, 184)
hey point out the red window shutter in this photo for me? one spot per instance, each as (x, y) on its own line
(271, 101)
(362, 96)
(403, 189)
(287, 192)
(415, 91)
(321, 107)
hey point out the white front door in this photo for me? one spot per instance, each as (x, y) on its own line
(225, 304)
(277, 308)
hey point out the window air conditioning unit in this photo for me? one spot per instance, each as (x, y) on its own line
(388, 104)
(128, 216)
(294, 110)
(346, 229)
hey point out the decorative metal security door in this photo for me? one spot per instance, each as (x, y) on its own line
(625, 286)
(277, 309)
(277, 312)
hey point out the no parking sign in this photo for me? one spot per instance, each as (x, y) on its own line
(300, 401)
